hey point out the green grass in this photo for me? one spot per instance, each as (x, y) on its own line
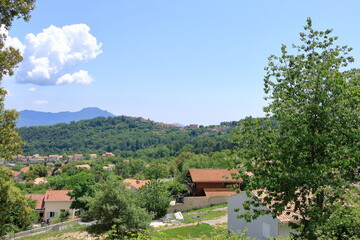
(187, 232)
(207, 215)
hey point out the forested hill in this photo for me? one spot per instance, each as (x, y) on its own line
(124, 136)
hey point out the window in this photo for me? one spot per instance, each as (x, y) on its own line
(52, 214)
(265, 230)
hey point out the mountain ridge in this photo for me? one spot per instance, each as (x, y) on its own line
(30, 118)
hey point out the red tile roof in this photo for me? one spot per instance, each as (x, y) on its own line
(136, 183)
(212, 175)
(39, 198)
(87, 166)
(40, 180)
(25, 169)
(57, 195)
(15, 173)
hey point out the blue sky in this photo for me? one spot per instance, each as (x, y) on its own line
(171, 61)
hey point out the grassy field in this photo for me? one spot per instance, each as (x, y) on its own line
(198, 231)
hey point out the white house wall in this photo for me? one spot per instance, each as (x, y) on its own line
(257, 227)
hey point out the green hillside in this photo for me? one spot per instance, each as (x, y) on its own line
(125, 136)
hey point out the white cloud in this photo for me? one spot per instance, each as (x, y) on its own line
(40, 102)
(53, 56)
(14, 42)
(32, 89)
(82, 77)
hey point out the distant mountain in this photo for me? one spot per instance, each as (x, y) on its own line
(34, 118)
(179, 124)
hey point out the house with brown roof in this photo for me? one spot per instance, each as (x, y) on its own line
(135, 184)
(40, 180)
(25, 169)
(55, 158)
(87, 166)
(264, 227)
(52, 203)
(93, 156)
(108, 154)
(16, 175)
(78, 157)
(109, 167)
(212, 182)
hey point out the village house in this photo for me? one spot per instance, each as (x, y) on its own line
(109, 167)
(78, 157)
(108, 154)
(25, 169)
(212, 182)
(92, 156)
(19, 158)
(16, 175)
(37, 159)
(40, 180)
(87, 166)
(52, 203)
(135, 184)
(55, 158)
(264, 227)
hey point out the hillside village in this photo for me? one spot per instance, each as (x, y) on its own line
(288, 169)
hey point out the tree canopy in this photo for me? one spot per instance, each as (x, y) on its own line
(10, 142)
(16, 212)
(118, 209)
(310, 161)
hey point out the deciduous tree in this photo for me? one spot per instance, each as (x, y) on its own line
(117, 208)
(10, 142)
(155, 198)
(311, 160)
(16, 212)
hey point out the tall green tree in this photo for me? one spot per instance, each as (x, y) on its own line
(16, 212)
(155, 198)
(118, 209)
(311, 160)
(10, 142)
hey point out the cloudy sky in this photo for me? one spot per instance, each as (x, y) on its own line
(171, 61)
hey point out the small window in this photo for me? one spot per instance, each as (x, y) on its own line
(52, 214)
(265, 230)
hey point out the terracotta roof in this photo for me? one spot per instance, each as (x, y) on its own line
(57, 195)
(39, 198)
(136, 183)
(212, 175)
(40, 180)
(25, 169)
(209, 192)
(87, 166)
(15, 173)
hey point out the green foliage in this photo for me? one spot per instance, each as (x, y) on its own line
(16, 211)
(175, 188)
(118, 209)
(125, 136)
(155, 198)
(156, 171)
(311, 159)
(10, 141)
(36, 170)
(189, 232)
